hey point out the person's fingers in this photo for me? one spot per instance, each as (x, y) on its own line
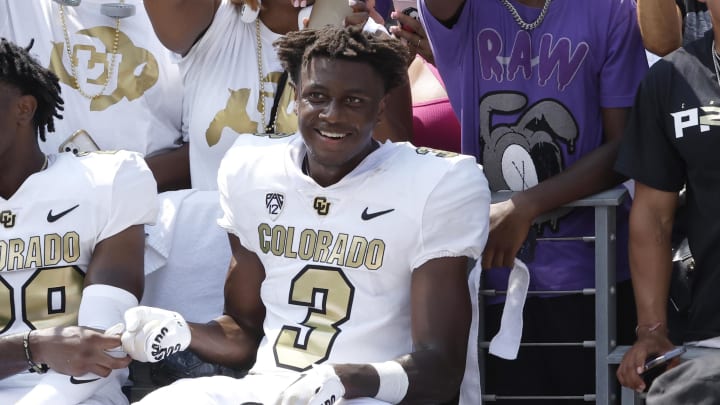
(408, 23)
(487, 258)
(296, 3)
(356, 19)
(358, 6)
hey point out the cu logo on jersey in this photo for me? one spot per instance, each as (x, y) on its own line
(274, 204)
(7, 219)
(321, 205)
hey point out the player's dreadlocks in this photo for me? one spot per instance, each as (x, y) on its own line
(19, 69)
(388, 56)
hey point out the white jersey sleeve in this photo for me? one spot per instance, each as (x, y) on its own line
(129, 189)
(456, 215)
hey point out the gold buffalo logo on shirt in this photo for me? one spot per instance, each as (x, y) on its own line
(136, 68)
(235, 116)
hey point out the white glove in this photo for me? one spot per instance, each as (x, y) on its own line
(152, 334)
(318, 386)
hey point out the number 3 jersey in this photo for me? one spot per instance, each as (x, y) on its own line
(50, 227)
(338, 260)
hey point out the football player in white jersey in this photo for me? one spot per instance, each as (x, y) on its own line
(349, 277)
(71, 249)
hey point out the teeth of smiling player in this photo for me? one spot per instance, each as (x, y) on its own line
(332, 134)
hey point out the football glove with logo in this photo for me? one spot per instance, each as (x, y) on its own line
(317, 386)
(152, 334)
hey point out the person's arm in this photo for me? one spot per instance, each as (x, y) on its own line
(233, 338)
(444, 10)
(396, 120)
(660, 25)
(441, 314)
(651, 221)
(171, 169)
(180, 23)
(510, 220)
(116, 269)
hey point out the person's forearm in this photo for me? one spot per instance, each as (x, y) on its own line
(444, 10)
(12, 355)
(660, 25)
(431, 377)
(591, 174)
(179, 23)
(171, 169)
(650, 265)
(396, 121)
(222, 341)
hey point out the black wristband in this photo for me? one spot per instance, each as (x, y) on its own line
(34, 367)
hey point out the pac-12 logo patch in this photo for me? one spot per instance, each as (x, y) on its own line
(274, 204)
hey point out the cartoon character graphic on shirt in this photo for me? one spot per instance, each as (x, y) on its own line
(519, 155)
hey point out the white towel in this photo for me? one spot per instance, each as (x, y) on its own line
(507, 341)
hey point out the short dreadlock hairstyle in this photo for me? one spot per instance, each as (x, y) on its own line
(20, 70)
(388, 56)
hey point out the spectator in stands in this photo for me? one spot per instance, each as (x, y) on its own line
(668, 144)
(542, 89)
(118, 81)
(223, 75)
(385, 327)
(434, 122)
(666, 24)
(66, 278)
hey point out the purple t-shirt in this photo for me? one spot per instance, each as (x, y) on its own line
(530, 102)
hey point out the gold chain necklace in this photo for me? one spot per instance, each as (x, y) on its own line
(260, 73)
(524, 25)
(73, 61)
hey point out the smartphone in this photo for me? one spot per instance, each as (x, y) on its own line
(329, 12)
(658, 364)
(409, 9)
(80, 141)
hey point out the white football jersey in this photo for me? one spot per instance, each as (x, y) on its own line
(339, 259)
(49, 229)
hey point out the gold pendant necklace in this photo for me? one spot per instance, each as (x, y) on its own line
(260, 74)
(74, 63)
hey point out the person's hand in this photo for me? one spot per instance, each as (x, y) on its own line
(413, 33)
(361, 13)
(317, 386)
(75, 350)
(509, 225)
(152, 334)
(631, 367)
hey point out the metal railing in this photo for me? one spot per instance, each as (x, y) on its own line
(605, 205)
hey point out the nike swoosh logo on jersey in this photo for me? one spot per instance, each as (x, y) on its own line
(75, 381)
(53, 218)
(366, 216)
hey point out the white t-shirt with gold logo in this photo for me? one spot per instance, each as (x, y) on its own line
(222, 85)
(140, 107)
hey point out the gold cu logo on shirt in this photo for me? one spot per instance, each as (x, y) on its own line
(321, 205)
(7, 219)
(137, 69)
